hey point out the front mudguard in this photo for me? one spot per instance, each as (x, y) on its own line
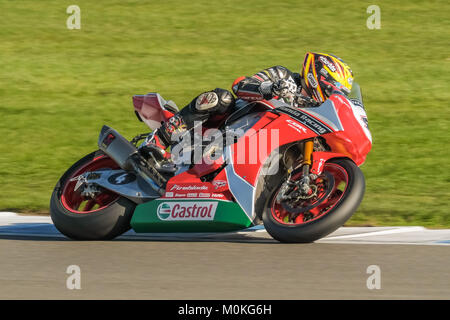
(320, 157)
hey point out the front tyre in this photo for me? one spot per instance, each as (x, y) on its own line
(340, 191)
(103, 217)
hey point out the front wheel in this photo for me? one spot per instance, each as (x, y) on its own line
(337, 194)
(101, 217)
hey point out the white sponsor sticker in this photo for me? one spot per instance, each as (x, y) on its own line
(361, 116)
(217, 195)
(176, 187)
(328, 63)
(311, 80)
(204, 195)
(295, 125)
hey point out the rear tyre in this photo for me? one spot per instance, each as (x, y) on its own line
(331, 213)
(104, 217)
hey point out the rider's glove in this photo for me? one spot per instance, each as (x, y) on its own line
(305, 101)
(284, 88)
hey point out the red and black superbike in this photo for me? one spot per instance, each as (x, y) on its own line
(296, 170)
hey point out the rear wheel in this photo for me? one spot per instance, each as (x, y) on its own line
(101, 216)
(336, 194)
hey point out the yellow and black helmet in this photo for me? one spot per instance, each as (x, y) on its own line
(320, 71)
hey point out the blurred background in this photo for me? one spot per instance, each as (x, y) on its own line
(59, 86)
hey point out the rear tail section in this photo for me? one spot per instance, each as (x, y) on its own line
(152, 109)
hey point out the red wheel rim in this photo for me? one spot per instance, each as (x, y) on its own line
(75, 202)
(340, 186)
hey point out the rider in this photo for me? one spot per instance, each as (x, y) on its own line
(321, 75)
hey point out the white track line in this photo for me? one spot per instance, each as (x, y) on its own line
(8, 214)
(377, 233)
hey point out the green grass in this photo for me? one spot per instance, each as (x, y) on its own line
(59, 86)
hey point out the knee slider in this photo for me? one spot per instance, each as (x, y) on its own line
(216, 101)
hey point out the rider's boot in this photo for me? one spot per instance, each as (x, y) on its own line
(155, 145)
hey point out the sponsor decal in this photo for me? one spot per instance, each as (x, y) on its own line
(108, 140)
(169, 194)
(219, 183)
(357, 103)
(365, 121)
(187, 211)
(204, 195)
(294, 125)
(305, 119)
(176, 187)
(312, 80)
(180, 195)
(192, 195)
(121, 178)
(217, 195)
(324, 72)
(326, 62)
(321, 162)
(361, 117)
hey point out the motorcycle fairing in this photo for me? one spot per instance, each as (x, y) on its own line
(306, 119)
(327, 114)
(354, 141)
(167, 215)
(243, 177)
(241, 189)
(286, 134)
(323, 120)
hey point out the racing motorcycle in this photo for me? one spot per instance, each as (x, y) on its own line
(294, 169)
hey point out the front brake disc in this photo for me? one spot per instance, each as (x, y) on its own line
(297, 210)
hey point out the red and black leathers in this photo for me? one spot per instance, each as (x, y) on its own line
(216, 102)
(220, 101)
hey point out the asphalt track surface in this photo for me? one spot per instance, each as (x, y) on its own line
(413, 264)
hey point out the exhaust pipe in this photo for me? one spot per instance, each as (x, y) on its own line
(117, 147)
(126, 155)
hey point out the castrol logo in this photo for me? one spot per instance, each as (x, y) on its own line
(187, 210)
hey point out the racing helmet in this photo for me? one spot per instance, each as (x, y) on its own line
(320, 71)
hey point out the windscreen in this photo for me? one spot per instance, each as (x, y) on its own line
(356, 93)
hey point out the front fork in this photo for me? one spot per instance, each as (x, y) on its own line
(303, 184)
(306, 165)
